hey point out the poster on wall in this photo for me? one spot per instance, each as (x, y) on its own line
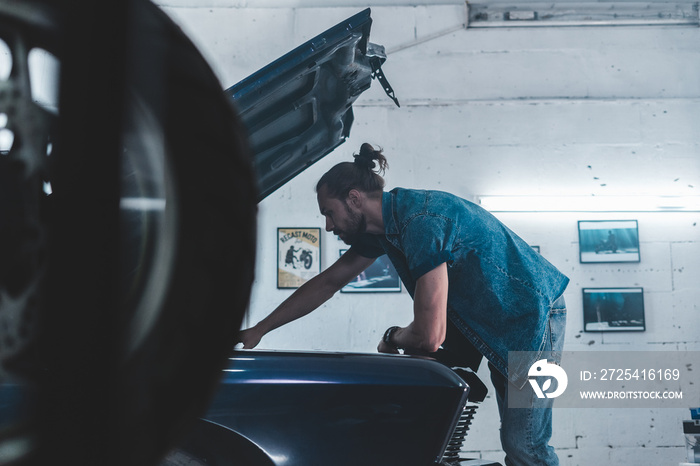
(298, 256)
(613, 310)
(608, 241)
(380, 277)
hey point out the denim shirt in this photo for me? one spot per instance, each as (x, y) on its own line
(500, 289)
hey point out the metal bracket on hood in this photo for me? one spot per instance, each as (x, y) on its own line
(376, 64)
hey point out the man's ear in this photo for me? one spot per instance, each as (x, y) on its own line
(355, 198)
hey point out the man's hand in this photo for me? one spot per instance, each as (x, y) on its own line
(250, 338)
(384, 348)
(308, 296)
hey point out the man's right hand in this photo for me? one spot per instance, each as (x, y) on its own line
(307, 297)
(250, 338)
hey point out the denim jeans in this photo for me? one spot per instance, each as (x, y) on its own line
(525, 432)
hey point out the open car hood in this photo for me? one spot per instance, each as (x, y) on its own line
(298, 108)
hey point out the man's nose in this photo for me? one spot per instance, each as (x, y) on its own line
(329, 224)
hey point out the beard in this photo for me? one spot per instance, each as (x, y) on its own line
(357, 226)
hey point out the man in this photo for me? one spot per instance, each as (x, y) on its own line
(290, 258)
(478, 289)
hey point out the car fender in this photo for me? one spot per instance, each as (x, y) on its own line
(210, 443)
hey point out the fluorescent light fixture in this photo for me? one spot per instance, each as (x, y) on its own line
(525, 14)
(142, 203)
(590, 203)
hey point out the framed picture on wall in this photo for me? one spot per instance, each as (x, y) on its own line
(298, 256)
(613, 310)
(608, 241)
(380, 277)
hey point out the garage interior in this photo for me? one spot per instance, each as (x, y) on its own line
(587, 113)
(547, 114)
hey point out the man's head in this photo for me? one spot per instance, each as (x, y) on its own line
(343, 217)
(343, 190)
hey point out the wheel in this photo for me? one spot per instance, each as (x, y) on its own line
(308, 261)
(130, 223)
(211, 444)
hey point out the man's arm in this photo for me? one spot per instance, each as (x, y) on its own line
(427, 331)
(309, 296)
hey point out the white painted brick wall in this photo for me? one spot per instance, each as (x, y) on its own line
(613, 111)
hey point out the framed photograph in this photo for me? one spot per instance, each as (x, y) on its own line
(298, 256)
(608, 241)
(613, 310)
(380, 277)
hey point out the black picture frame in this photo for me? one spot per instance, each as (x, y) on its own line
(608, 241)
(613, 310)
(380, 277)
(298, 256)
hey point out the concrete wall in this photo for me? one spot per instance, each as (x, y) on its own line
(507, 111)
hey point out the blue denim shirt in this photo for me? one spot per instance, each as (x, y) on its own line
(500, 289)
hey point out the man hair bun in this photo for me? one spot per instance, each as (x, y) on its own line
(364, 174)
(367, 156)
